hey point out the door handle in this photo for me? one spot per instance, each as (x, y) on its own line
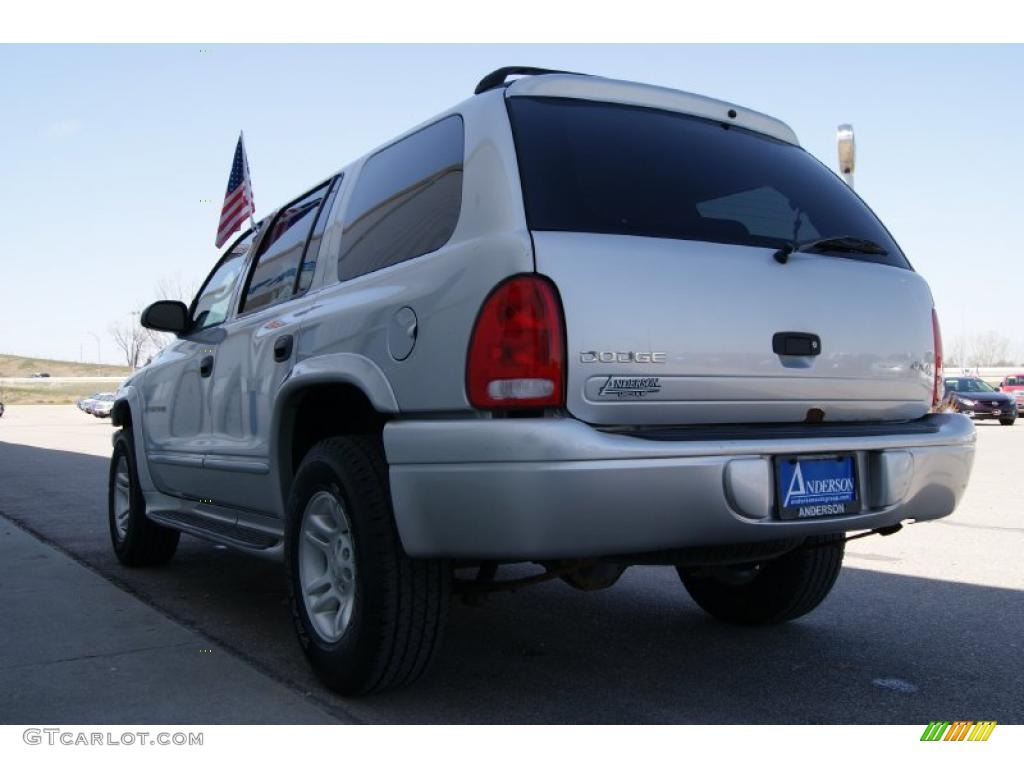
(283, 347)
(206, 366)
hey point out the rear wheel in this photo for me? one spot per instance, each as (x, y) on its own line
(770, 591)
(137, 540)
(369, 618)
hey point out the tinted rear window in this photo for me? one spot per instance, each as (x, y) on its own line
(616, 169)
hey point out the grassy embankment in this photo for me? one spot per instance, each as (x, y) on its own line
(53, 391)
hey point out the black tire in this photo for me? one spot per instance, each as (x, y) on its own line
(142, 541)
(771, 591)
(400, 604)
(1008, 422)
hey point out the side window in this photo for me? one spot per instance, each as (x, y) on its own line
(214, 300)
(406, 200)
(313, 248)
(273, 276)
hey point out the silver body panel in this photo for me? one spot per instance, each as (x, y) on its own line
(710, 311)
(552, 488)
(211, 456)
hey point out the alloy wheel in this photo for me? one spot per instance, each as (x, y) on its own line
(327, 566)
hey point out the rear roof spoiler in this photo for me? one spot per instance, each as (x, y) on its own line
(497, 78)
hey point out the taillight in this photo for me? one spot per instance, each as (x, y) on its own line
(937, 343)
(516, 354)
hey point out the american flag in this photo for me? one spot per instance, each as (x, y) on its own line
(238, 202)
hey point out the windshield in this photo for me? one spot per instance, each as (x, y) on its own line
(968, 385)
(617, 169)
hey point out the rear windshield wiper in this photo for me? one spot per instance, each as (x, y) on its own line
(843, 243)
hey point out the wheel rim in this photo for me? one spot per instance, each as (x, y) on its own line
(122, 496)
(327, 566)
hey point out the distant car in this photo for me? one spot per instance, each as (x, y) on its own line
(86, 402)
(102, 406)
(40, 375)
(1014, 385)
(976, 398)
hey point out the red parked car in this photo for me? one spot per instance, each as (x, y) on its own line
(1014, 385)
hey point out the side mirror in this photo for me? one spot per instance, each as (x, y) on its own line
(167, 316)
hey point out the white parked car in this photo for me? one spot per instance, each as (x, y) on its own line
(101, 405)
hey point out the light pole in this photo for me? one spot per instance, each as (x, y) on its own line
(847, 150)
(97, 345)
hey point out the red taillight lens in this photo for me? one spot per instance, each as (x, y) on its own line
(937, 342)
(516, 354)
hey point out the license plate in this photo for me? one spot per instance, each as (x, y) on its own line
(996, 412)
(808, 487)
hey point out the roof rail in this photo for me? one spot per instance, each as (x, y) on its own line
(497, 78)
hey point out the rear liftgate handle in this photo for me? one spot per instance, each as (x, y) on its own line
(796, 344)
(283, 347)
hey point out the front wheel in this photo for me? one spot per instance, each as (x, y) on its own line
(137, 540)
(369, 617)
(1008, 422)
(771, 591)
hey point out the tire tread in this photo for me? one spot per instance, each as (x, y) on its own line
(408, 631)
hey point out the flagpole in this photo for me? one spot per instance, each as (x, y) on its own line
(248, 176)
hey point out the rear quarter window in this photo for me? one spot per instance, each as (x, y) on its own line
(406, 200)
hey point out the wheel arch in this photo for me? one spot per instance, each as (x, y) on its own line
(127, 414)
(121, 414)
(335, 394)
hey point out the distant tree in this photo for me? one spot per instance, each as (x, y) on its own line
(168, 288)
(989, 349)
(956, 353)
(131, 339)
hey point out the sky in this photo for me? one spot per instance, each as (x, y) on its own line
(109, 154)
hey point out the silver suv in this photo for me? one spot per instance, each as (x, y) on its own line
(572, 322)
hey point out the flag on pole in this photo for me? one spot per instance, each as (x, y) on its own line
(238, 201)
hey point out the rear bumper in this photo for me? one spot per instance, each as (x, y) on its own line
(551, 488)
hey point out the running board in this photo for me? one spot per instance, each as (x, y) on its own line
(217, 525)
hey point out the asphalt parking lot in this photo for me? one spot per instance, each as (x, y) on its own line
(927, 624)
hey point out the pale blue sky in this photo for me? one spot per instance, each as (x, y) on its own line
(106, 152)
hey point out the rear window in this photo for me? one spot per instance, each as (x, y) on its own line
(616, 169)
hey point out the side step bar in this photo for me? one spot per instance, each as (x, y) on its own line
(223, 526)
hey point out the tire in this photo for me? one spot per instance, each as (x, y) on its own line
(137, 540)
(1008, 422)
(384, 612)
(769, 591)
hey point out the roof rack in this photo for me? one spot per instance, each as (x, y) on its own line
(497, 78)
